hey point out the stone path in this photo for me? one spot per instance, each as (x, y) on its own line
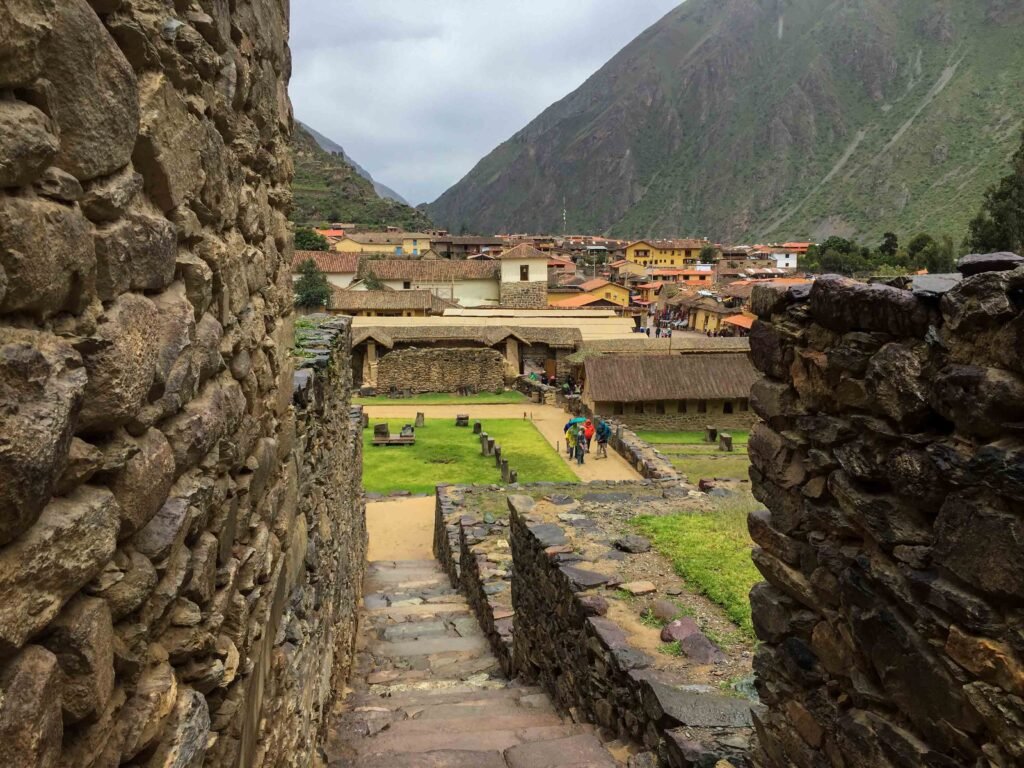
(401, 529)
(548, 419)
(428, 693)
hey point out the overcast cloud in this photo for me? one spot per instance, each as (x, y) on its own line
(417, 91)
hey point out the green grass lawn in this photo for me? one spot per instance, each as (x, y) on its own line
(444, 453)
(444, 398)
(711, 550)
(687, 438)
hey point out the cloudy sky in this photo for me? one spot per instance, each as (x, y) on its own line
(417, 91)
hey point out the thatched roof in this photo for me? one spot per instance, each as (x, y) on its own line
(489, 335)
(328, 262)
(640, 378)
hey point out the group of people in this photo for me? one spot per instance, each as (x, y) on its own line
(580, 434)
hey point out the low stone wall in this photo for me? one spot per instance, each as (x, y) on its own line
(486, 574)
(448, 508)
(524, 295)
(441, 370)
(890, 459)
(585, 661)
(644, 458)
(537, 392)
(672, 422)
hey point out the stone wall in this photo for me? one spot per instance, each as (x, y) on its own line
(686, 421)
(890, 459)
(163, 593)
(524, 295)
(442, 370)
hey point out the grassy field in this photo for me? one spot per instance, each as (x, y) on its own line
(711, 550)
(444, 453)
(696, 459)
(444, 398)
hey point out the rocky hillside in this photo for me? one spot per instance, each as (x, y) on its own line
(327, 187)
(329, 145)
(751, 119)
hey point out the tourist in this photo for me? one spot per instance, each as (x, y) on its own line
(588, 432)
(604, 433)
(570, 440)
(581, 446)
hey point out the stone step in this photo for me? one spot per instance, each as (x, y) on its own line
(444, 758)
(486, 708)
(431, 646)
(482, 739)
(399, 613)
(413, 630)
(459, 725)
(392, 565)
(447, 692)
(582, 750)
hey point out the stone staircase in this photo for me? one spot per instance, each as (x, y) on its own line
(428, 693)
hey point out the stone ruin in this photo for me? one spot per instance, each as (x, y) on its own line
(183, 536)
(181, 545)
(890, 458)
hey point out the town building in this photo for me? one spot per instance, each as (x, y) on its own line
(386, 303)
(524, 278)
(665, 253)
(340, 269)
(701, 278)
(584, 301)
(603, 289)
(468, 283)
(409, 244)
(464, 246)
(682, 391)
(622, 268)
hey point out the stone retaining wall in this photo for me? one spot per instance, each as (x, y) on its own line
(890, 459)
(585, 661)
(671, 422)
(441, 370)
(524, 295)
(485, 578)
(164, 591)
(537, 392)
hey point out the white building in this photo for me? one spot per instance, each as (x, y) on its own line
(339, 268)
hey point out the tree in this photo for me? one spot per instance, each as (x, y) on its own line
(372, 282)
(999, 225)
(890, 244)
(918, 250)
(708, 254)
(307, 239)
(312, 288)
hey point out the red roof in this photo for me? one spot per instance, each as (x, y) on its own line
(740, 321)
(331, 232)
(575, 302)
(329, 261)
(590, 285)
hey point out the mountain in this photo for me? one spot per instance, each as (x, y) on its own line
(328, 187)
(750, 120)
(330, 146)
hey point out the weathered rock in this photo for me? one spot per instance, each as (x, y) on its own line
(107, 199)
(41, 384)
(194, 431)
(58, 185)
(26, 144)
(185, 745)
(30, 719)
(693, 643)
(896, 384)
(639, 587)
(94, 99)
(67, 546)
(633, 544)
(46, 256)
(976, 263)
(841, 304)
(137, 252)
(979, 400)
(82, 640)
(162, 535)
(125, 582)
(120, 358)
(25, 29)
(664, 610)
(143, 718)
(142, 486)
(84, 461)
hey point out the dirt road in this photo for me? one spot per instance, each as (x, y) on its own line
(548, 419)
(401, 529)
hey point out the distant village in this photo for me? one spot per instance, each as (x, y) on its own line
(664, 286)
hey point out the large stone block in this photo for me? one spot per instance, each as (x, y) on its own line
(142, 486)
(26, 144)
(897, 384)
(137, 252)
(68, 545)
(841, 304)
(979, 400)
(107, 199)
(204, 421)
(94, 98)
(41, 384)
(46, 256)
(125, 582)
(82, 639)
(121, 359)
(30, 719)
(25, 29)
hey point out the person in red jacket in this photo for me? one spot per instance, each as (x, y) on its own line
(588, 432)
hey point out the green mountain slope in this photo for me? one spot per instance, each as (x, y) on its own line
(327, 188)
(770, 119)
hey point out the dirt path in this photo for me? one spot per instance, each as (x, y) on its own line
(401, 529)
(548, 419)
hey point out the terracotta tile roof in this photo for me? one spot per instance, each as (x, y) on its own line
(331, 232)
(591, 285)
(329, 262)
(740, 321)
(430, 271)
(618, 379)
(389, 301)
(386, 238)
(673, 245)
(390, 335)
(575, 302)
(523, 251)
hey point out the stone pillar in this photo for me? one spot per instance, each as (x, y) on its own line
(477, 427)
(490, 446)
(512, 362)
(483, 444)
(370, 364)
(504, 470)
(497, 456)
(725, 442)
(419, 420)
